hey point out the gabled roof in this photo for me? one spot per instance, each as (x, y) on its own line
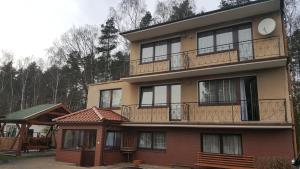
(250, 9)
(32, 112)
(91, 115)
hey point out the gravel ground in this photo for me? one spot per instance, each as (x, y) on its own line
(50, 163)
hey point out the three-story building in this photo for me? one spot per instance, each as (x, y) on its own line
(217, 82)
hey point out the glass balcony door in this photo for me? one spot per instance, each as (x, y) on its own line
(245, 43)
(175, 106)
(175, 60)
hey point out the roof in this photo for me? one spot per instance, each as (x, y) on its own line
(90, 115)
(32, 112)
(252, 8)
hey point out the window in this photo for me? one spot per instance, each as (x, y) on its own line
(154, 96)
(110, 98)
(215, 41)
(224, 40)
(218, 91)
(161, 51)
(206, 43)
(145, 140)
(113, 140)
(75, 139)
(152, 140)
(157, 51)
(222, 144)
(147, 53)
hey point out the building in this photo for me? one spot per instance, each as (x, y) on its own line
(217, 82)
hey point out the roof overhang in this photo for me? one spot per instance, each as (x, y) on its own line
(209, 18)
(229, 68)
(222, 126)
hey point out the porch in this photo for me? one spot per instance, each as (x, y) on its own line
(21, 138)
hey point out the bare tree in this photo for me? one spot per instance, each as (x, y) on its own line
(23, 65)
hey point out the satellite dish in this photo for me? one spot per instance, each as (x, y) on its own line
(266, 26)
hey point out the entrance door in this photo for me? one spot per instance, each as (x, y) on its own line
(88, 148)
(87, 158)
(249, 99)
(245, 43)
(175, 107)
(176, 60)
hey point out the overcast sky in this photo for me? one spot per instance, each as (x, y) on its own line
(28, 27)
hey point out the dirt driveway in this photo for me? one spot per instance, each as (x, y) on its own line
(50, 163)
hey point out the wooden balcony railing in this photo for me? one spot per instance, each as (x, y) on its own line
(263, 111)
(245, 51)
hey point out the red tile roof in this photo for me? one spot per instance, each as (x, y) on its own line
(93, 114)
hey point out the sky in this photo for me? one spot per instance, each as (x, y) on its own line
(29, 27)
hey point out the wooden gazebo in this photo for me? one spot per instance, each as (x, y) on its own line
(24, 119)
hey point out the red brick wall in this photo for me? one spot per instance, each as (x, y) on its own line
(183, 144)
(73, 156)
(112, 157)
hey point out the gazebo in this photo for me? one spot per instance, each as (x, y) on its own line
(24, 119)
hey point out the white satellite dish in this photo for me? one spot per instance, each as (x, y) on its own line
(266, 26)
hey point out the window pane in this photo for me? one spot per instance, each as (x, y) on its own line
(116, 98)
(109, 139)
(176, 60)
(206, 43)
(145, 140)
(68, 139)
(218, 91)
(232, 144)
(160, 93)
(203, 92)
(159, 141)
(211, 143)
(224, 41)
(161, 51)
(90, 141)
(147, 54)
(105, 98)
(147, 96)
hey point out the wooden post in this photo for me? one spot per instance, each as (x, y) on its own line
(2, 129)
(20, 137)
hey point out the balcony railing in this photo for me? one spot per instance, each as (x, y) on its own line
(223, 54)
(263, 111)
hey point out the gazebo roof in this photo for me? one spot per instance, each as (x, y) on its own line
(90, 115)
(35, 111)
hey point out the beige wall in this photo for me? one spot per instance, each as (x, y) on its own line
(264, 46)
(271, 83)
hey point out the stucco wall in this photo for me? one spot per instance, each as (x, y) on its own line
(264, 46)
(271, 84)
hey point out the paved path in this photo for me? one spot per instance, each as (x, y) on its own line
(50, 163)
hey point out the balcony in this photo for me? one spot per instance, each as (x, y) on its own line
(265, 111)
(246, 55)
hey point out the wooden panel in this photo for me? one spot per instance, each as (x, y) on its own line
(224, 161)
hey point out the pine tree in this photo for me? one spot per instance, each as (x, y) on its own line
(146, 20)
(108, 42)
(182, 11)
(232, 3)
